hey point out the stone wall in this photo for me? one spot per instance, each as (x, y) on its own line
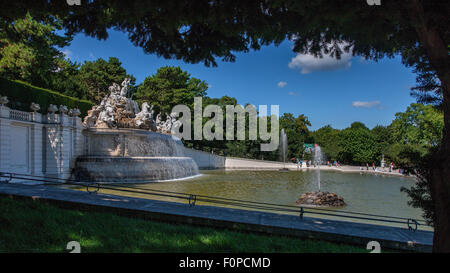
(48, 145)
(39, 145)
(205, 160)
(254, 164)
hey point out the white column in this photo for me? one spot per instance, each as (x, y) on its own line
(51, 146)
(37, 145)
(79, 139)
(5, 147)
(66, 140)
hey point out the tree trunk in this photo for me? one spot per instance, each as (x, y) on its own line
(437, 52)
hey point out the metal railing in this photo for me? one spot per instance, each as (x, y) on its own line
(192, 199)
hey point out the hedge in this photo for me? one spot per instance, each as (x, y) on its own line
(21, 95)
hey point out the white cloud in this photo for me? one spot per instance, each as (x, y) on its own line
(292, 93)
(367, 104)
(282, 84)
(307, 63)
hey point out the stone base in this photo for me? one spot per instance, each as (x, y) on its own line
(133, 169)
(321, 199)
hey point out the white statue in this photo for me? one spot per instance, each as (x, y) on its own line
(114, 89)
(145, 116)
(52, 108)
(75, 112)
(63, 109)
(124, 90)
(3, 100)
(35, 107)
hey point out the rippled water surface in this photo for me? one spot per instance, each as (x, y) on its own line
(367, 193)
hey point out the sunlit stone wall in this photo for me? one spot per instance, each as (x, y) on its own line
(39, 145)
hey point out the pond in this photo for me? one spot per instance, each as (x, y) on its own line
(365, 193)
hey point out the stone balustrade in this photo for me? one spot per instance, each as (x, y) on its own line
(41, 145)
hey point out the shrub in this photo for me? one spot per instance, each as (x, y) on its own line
(21, 95)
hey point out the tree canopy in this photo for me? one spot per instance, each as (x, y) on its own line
(170, 86)
(28, 49)
(204, 30)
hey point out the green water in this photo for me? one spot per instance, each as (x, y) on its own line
(366, 193)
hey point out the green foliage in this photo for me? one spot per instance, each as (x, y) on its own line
(419, 124)
(96, 76)
(170, 86)
(28, 49)
(66, 80)
(358, 145)
(21, 95)
(35, 226)
(297, 133)
(328, 139)
(420, 163)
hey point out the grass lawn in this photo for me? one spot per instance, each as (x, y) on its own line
(36, 226)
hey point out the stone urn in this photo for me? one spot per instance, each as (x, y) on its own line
(63, 109)
(3, 100)
(52, 108)
(75, 112)
(35, 107)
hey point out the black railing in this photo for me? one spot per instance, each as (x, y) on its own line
(192, 199)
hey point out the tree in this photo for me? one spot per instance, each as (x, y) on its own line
(328, 139)
(170, 86)
(96, 76)
(200, 31)
(66, 79)
(419, 124)
(358, 145)
(28, 49)
(383, 137)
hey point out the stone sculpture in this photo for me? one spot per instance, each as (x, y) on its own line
(3, 100)
(116, 110)
(75, 112)
(124, 90)
(52, 108)
(35, 107)
(63, 109)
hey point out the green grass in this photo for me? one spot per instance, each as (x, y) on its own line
(37, 226)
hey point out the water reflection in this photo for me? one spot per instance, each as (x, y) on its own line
(362, 192)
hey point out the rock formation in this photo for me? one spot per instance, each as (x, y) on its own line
(116, 110)
(321, 199)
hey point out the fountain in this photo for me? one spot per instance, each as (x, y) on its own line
(126, 145)
(283, 149)
(318, 198)
(317, 161)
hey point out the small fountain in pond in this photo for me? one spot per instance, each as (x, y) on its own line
(128, 145)
(319, 198)
(283, 149)
(317, 161)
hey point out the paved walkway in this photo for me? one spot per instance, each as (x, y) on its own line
(331, 230)
(233, 163)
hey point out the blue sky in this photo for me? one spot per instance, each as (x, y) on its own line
(327, 91)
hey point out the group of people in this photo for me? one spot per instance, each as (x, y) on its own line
(375, 168)
(310, 163)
